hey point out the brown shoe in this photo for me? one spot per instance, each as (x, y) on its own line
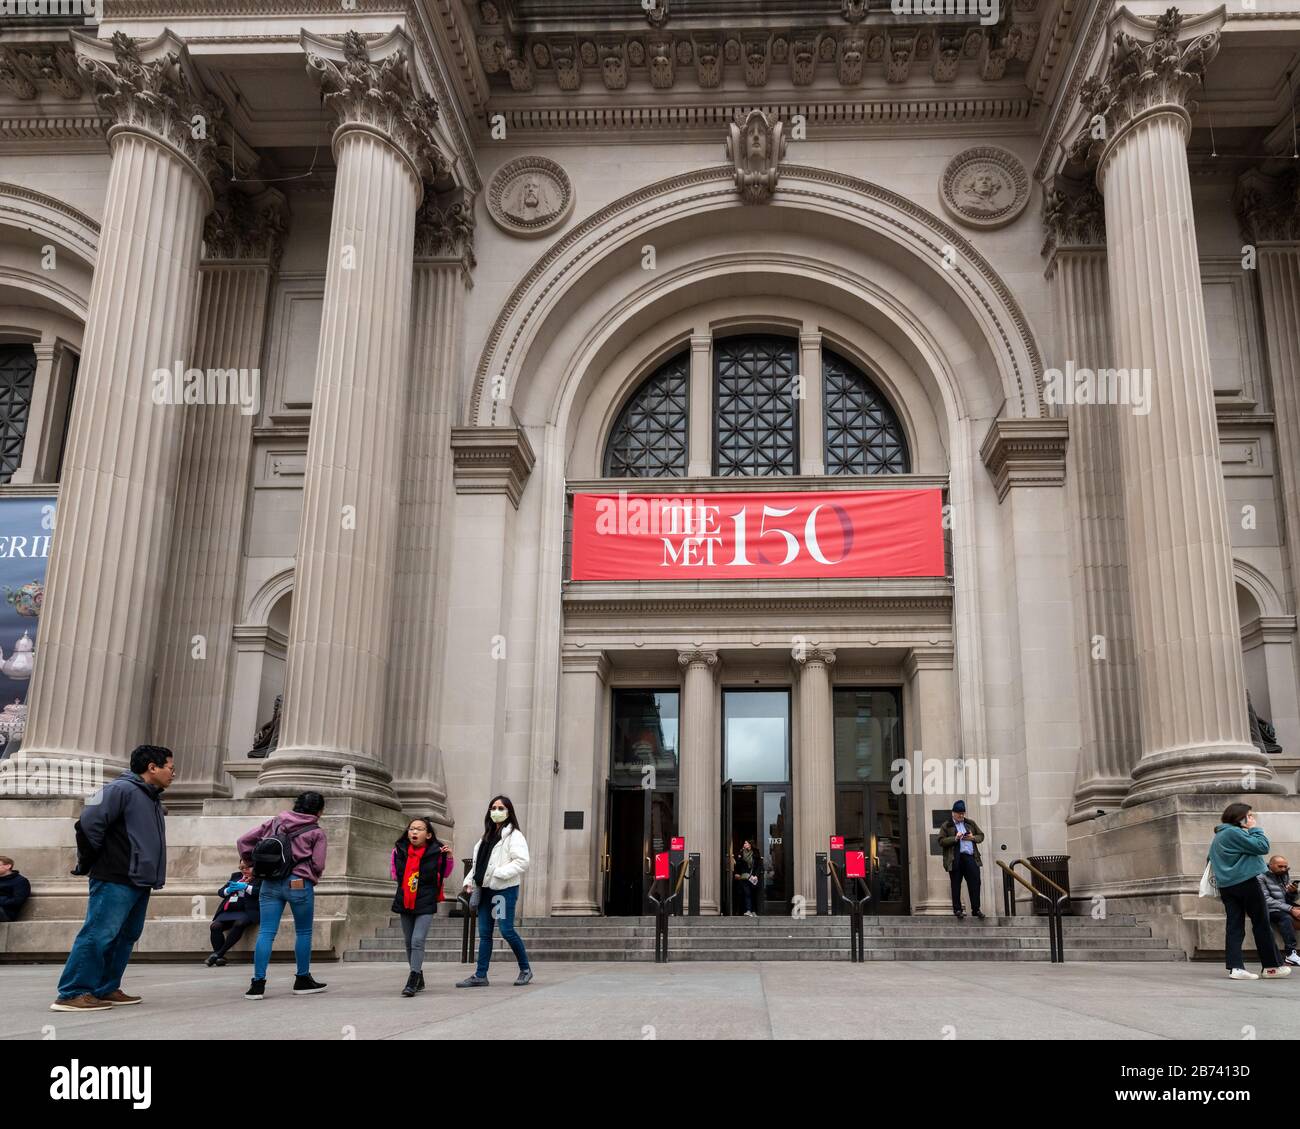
(81, 1003)
(120, 999)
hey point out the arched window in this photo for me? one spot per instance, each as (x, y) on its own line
(863, 435)
(756, 408)
(650, 434)
(17, 382)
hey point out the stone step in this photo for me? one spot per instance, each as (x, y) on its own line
(802, 929)
(539, 955)
(937, 921)
(738, 941)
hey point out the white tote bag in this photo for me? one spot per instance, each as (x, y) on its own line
(1209, 888)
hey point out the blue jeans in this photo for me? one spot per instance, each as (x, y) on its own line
(503, 902)
(98, 959)
(276, 894)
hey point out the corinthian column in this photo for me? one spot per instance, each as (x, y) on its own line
(242, 239)
(815, 770)
(1076, 273)
(339, 640)
(98, 641)
(701, 774)
(444, 257)
(1194, 730)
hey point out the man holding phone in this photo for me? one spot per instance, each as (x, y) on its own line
(960, 838)
(1281, 895)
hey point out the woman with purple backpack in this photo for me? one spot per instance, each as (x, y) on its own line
(287, 853)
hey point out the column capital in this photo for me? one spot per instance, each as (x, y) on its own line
(1149, 71)
(367, 85)
(1074, 216)
(1268, 207)
(151, 87)
(813, 655)
(444, 227)
(574, 660)
(927, 658)
(697, 656)
(491, 460)
(1026, 452)
(701, 342)
(246, 227)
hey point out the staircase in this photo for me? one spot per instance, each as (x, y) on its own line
(1117, 938)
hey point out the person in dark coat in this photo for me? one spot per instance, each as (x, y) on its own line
(122, 846)
(14, 890)
(959, 838)
(237, 910)
(420, 864)
(747, 875)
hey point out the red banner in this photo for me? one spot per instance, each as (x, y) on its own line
(868, 533)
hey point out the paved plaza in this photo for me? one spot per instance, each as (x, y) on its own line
(772, 1000)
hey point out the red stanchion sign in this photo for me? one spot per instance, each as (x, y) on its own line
(661, 865)
(868, 533)
(855, 864)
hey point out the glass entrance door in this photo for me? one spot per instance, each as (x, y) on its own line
(757, 803)
(869, 813)
(640, 823)
(641, 796)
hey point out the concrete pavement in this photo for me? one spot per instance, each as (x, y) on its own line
(783, 1000)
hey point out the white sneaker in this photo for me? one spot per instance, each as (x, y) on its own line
(1293, 958)
(1241, 974)
(1274, 973)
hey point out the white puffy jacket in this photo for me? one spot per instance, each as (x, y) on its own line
(506, 864)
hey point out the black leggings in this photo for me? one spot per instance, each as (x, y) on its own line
(1238, 901)
(223, 942)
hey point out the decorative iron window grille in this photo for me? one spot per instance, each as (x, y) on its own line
(756, 406)
(650, 435)
(863, 435)
(17, 379)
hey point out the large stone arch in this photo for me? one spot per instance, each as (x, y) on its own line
(936, 279)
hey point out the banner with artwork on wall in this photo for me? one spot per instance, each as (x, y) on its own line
(26, 527)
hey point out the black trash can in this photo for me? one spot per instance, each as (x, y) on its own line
(1057, 868)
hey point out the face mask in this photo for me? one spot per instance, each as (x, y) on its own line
(498, 816)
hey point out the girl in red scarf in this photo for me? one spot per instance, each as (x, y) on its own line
(420, 863)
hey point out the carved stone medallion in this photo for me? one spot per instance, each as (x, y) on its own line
(984, 187)
(530, 196)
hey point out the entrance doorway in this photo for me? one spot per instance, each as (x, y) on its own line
(759, 814)
(757, 804)
(641, 808)
(642, 822)
(869, 812)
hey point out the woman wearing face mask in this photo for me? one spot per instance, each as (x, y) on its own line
(748, 873)
(420, 863)
(500, 859)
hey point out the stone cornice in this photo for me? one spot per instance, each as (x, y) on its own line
(1269, 629)
(1268, 207)
(563, 123)
(444, 227)
(80, 132)
(1026, 452)
(152, 88)
(367, 85)
(932, 599)
(491, 460)
(246, 227)
(784, 50)
(29, 69)
(586, 660)
(1149, 71)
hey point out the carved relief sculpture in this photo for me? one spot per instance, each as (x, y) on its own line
(756, 145)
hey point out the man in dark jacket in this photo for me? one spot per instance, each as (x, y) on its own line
(960, 838)
(1281, 896)
(122, 846)
(14, 890)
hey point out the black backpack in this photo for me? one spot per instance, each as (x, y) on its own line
(272, 856)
